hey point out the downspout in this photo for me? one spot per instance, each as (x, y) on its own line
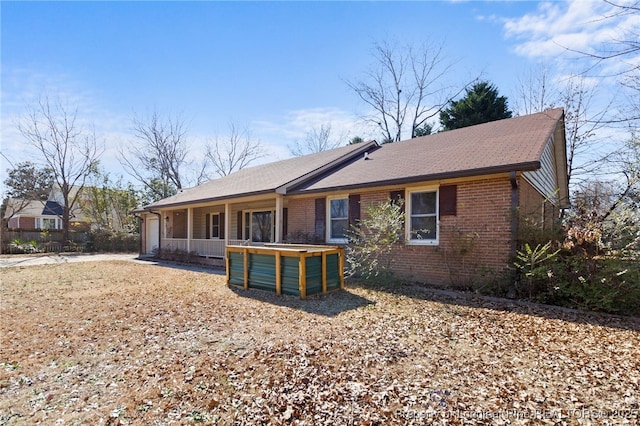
(515, 201)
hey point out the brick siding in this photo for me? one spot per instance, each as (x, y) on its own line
(478, 237)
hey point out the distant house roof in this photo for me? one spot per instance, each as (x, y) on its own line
(266, 178)
(498, 146)
(514, 144)
(52, 208)
(20, 207)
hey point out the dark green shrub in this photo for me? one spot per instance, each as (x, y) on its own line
(108, 240)
(176, 255)
(598, 284)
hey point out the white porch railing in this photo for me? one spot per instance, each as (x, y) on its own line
(174, 243)
(212, 248)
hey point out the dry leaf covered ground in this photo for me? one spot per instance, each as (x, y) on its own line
(127, 343)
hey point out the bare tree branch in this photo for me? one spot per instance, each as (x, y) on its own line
(318, 140)
(70, 152)
(404, 86)
(236, 152)
(158, 155)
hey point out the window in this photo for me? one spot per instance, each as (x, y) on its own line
(423, 217)
(46, 223)
(338, 215)
(258, 226)
(215, 225)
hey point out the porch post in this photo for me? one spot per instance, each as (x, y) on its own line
(279, 220)
(189, 227)
(163, 223)
(227, 227)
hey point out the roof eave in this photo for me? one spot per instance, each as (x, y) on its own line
(284, 189)
(520, 167)
(204, 200)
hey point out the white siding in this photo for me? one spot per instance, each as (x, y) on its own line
(544, 179)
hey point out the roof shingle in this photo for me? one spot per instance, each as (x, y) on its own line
(514, 144)
(503, 145)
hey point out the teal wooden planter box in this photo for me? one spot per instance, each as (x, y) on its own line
(298, 270)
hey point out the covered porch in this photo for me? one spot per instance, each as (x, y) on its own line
(207, 229)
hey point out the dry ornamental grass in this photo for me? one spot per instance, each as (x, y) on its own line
(126, 343)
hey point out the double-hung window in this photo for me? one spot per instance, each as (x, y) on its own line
(338, 215)
(422, 226)
(215, 225)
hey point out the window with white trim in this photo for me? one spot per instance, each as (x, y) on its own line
(422, 223)
(215, 225)
(338, 219)
(48, 223)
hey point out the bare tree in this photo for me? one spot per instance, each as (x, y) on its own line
(581, 126)
(318, 140)
(535, 91)
(619, 57)
(404, 88)
(158, 156)
(72, 153)
(237, 151)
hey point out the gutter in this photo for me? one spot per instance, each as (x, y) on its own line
(515, 201)
(529, 166)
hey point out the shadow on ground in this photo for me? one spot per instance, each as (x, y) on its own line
(330, 305)
(337, 302)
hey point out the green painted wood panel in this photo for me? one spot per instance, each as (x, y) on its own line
(262, 268)
(236, 269)
(262, 271)
(333, 271)
(290, 275)
(314, 275)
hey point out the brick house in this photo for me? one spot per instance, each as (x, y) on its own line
(32, 214)
(39, 215)
(466, 192)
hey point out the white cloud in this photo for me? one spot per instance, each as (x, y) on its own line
(571, 29)
(294, 125)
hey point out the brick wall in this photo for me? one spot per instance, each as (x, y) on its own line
(301, 216)
(478, 237)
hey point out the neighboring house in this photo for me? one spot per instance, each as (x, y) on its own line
(32, 214)
(35, 214)
(466, 193)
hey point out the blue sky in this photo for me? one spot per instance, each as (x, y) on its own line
(277, 67)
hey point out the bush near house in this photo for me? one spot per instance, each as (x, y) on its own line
(560, 265)
(108, 240)
(585, 266)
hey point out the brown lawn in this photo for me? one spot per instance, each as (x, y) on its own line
(127, 343)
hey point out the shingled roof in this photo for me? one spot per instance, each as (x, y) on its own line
(266, 178)
(514, 144)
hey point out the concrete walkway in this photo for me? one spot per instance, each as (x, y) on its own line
(7, 261)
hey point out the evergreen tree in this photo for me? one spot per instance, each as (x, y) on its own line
(481, 104)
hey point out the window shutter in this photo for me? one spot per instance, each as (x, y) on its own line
(221, 226)
(321, 214)
(239, 226)
(354, 209)
(285, 218)
(207, 226)
(397, 196)
(448, 200)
